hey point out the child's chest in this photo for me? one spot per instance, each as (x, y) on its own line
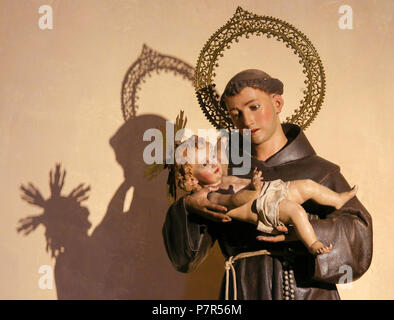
(234, 183)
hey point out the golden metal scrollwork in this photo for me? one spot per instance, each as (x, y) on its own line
(244, 23)
(148, 62)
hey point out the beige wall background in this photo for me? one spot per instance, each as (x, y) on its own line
(60, 102)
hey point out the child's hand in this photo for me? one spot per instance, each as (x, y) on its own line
(256, 180)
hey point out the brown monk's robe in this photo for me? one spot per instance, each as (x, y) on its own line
(188, 237)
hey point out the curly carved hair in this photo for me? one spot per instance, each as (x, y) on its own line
(185, 179)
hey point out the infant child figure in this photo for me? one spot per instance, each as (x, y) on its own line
(277, 203)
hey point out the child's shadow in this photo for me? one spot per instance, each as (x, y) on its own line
(124, 258)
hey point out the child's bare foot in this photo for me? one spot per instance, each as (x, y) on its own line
(346, 196)
(319, 248)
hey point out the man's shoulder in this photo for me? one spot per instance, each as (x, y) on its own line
(316, 160)
(313, 167)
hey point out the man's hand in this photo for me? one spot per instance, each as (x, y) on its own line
(198, 203)
(279, 237)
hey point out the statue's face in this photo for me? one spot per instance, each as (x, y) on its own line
(255, 110)
(209, 171)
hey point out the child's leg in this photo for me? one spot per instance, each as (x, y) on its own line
(291, 212)
(303, 190)
(244, 213)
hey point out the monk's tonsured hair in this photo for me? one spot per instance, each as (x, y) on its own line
(252, 78)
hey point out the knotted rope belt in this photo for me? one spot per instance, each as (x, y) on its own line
(229, 265)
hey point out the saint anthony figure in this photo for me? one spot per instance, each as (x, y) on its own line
(281, 151)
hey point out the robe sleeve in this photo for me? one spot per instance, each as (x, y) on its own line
(186, 237)
(349, 230)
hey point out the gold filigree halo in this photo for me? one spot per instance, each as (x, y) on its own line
(244, 23)
(148, 62)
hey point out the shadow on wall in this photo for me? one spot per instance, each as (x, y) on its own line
(125, 257)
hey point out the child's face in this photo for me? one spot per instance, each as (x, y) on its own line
(207, 173)
(205, 170)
